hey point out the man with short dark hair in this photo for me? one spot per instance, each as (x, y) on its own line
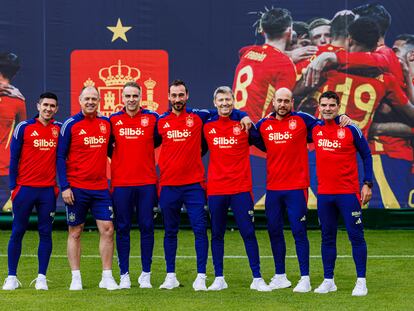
(264, 69)
(338, 189)
(33, 184)
(81, 163)
(133, 180)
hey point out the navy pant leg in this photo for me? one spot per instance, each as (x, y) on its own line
(194, 200)
(350, 207)
(147, 199)
(243, 210)
(274, 209)
(170, 204)
(46, 207)
(328, 218)
(296, 202)
(218, 207)
(23, 203)
(124, 199)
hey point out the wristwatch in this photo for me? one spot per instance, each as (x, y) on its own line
(369, 184)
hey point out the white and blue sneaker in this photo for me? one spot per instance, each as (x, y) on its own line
(327, 286)
(11, 283)
(279, 281)
(170, 282)
(144, 280)
(125, 281)
(218, 284)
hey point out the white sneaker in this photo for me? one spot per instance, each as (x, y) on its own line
(360, 288)
(200, 282)
(108, 282)
(279, 281)
(218, 284)
(328, 285)
(41, 282)
(303, 286)
(170, 282)
(11, 283)
(144, 280)
(260, 285)
(125, 281)
(76, 283)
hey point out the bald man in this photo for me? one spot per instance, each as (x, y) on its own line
(81, 164)
(284, 134)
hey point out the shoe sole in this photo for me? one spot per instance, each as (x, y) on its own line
(329, 291)
(302, 291)
(164, 287)
(280, 287)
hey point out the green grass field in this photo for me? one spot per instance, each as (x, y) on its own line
(390, 277)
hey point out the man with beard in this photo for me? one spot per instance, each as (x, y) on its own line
(264, 69)
(182, 179)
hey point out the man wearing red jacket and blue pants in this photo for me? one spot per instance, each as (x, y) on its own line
(33, 184)
(181, 179)
(284, 134)
(339, 191)
(133, 180)
(81, 163)
(229, 183)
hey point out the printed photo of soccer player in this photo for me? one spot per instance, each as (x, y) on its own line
(373, 82)
(13, 110)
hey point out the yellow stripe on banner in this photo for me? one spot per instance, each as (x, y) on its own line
(411, 199)
(388, 198)
(260, 205)
(7, 207)
(312, 204)
(10, 134)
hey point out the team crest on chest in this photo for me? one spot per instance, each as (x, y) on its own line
(144, 121)
(341, 133)
(55, 132)
(292, 124)
(102, 127)
(189, 121)
(237, 129)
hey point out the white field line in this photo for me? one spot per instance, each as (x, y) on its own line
(232, 256)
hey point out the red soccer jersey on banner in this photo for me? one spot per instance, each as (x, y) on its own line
(13, 110)
(180, 156)
(229, 169)
(336, 160)
(360, 96)
(82, 152)
(261, 71)
(33, 154)
(383, 58)
(133, 158)
(287, 155)
(302, 65)
(394, 147)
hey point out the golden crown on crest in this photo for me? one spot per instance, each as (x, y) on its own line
(119, 74)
